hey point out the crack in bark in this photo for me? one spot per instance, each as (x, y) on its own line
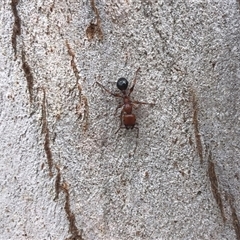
(214, 185)
(16, 26)
(83, 102)
(94, 28)
(196, 127)
(45, 131)
(85, 113)
(73, 64)
(82, 109)
(76, 235)
(235, 220)
(57, 182)
(28, 75)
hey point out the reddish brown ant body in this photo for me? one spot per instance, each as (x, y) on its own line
(127, 117)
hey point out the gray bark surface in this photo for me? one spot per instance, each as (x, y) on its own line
(64, 172)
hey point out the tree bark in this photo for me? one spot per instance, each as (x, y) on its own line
(64, 172)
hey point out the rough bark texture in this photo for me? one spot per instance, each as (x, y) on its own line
(64, 172)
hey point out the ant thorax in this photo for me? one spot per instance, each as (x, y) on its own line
(126, 100)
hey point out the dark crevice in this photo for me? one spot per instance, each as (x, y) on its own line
(45, 131)
(94, 28)
(214, 185)
(83, 102)
(82, 108)
(28, 74)
(16, 26)
(75, 233)
(235, 220)
(73, 64)
(196, 127)
(57, 183)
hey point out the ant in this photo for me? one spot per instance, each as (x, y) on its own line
(127, 117)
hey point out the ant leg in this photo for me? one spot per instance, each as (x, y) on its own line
(119, 106)
(121, 121)
(113, 94)
(134, 82)
(138, 102)
(119, 129)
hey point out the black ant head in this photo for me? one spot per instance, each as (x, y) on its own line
(122, 84)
